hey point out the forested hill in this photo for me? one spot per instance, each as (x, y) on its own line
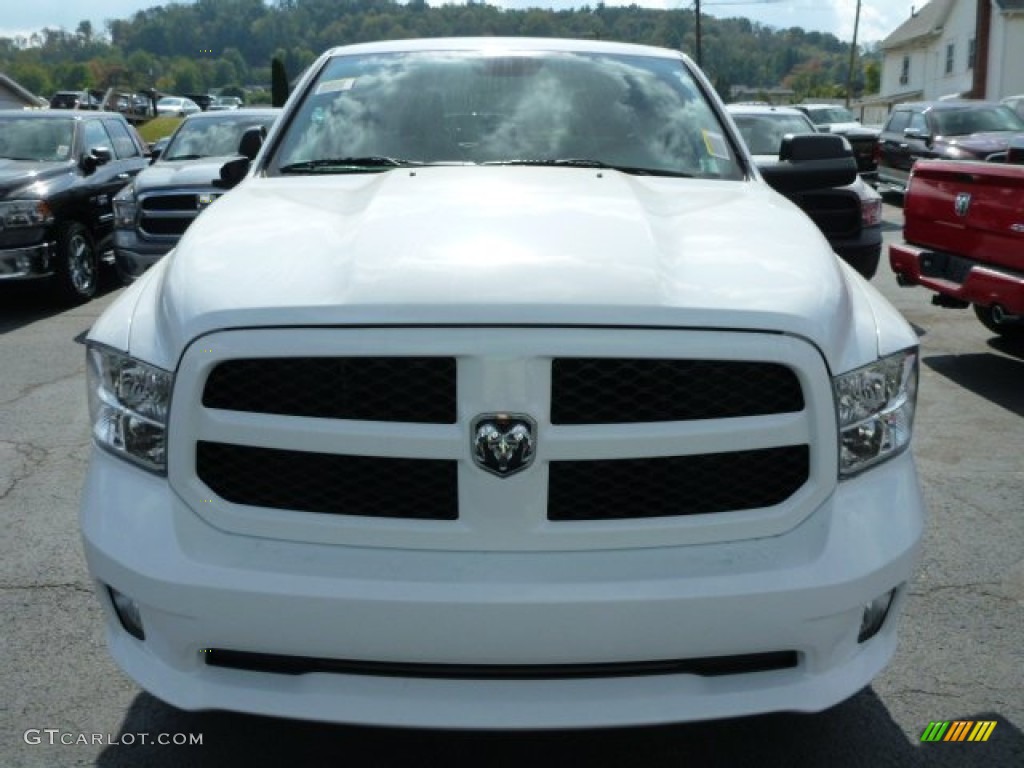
(215, 43)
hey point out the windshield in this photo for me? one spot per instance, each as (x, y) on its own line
(212, 137)
(371, 112)
(37, 139)
(960, 122)
(829, 115)
(763, 133)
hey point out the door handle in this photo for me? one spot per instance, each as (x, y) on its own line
(124, 176)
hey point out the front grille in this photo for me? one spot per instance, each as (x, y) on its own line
(169, 215)
(623, 391)
(621, 489)
(709, 666)
(370, 486)
(405, 389)
(187, 202)
(837, 213)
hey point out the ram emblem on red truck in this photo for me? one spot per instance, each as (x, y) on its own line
(964, 233)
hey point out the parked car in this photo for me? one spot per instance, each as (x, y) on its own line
(964, 233)
(950, 130)
(176, 106)
(503, 392)
(225, 102)
(74, 100)
(849, 216)
(58, 174)
(202, 100)
(155, 209)
(1016, 103)
(833, 118)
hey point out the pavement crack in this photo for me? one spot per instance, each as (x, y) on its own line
(32, 388)
(75, 586)
(32, 457)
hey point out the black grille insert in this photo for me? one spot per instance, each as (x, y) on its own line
(711, 666)
(836, 212)
(621, 489)
(623, 391)
(369, 486)
(405, 389)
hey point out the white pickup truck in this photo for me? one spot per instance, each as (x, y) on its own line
(504, 392)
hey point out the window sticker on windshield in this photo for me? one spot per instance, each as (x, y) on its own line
(716, 145)
(62, 149)
(333, 86)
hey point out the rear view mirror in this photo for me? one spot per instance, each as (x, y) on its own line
(95, 157)
(812, 161)
(251, 141)
(232, 173)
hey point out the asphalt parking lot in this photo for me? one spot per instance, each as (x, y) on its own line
(961, 655)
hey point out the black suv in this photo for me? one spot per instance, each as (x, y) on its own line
(951, 130)
(59, 172)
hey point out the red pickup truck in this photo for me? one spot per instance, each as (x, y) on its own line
(964, 232)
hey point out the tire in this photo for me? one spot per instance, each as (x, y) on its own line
(78, 268)
(1010, 331)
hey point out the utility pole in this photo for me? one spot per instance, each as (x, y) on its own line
(853, 53)
(697, 3)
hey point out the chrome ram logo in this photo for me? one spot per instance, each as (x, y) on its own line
(503, 443)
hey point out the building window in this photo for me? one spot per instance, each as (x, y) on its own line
(950, 55)
(905, 72)
(972, 51)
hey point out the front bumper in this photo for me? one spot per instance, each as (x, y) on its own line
(958, 277)
(133, 255)
(862, 252)
(198, 587)
(27, 263)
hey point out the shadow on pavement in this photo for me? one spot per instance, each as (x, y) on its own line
(25, 303)
(859, 732)
(997, 379)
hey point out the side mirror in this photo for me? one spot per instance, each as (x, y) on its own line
(811, 161)
(232, 173)
(95, 157)
(251, 141)
(917, 133)
(154, 154)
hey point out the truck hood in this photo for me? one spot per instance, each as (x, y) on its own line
(15, 174)
(180, 173)
(505, 245)
(982, 143)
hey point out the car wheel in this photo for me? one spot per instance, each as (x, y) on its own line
(77, 264)
(1012, 331)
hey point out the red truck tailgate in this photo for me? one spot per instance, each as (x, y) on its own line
(971, 209)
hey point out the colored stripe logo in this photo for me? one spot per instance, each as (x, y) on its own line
(959, 730)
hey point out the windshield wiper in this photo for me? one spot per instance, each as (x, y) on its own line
(577, 162)
(347, 163)
(185, 157)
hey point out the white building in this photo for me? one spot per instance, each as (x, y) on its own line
(950, 48)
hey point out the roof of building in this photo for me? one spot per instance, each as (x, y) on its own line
(30, 99)
(1010, 5)
(927, 22)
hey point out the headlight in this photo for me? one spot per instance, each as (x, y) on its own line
(24, 213)
(875, 407)
(124, 208)
(128, 405)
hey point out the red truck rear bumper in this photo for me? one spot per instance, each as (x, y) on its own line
(967, 280)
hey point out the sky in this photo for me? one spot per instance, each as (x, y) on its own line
(877, 17)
